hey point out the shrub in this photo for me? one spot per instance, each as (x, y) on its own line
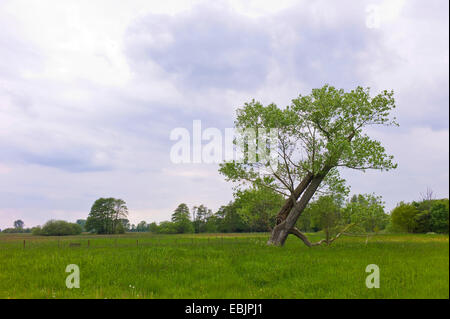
(439, 217)
(422, 222)
(9, 230)
(16, 230)
(36, 231)
(403, 217)
(167, 228)
(58, 228)
(153, 227)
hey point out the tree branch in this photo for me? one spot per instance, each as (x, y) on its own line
(295, 231)
(253, 181)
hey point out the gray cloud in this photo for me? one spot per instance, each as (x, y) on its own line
(206, 47)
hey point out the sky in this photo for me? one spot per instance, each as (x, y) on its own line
(90, 91)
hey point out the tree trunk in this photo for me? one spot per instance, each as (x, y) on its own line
(288, 204)
(286, 223)
(282, 230)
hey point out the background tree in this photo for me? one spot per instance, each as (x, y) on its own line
(428, 195)
(142, 227)
(153, 227)
(439, 216)
(167, 227)
(229, 220)
(317, 134)
(105, 215)
(181, 219)
(422, 219)
(125, 224)
(325, 215)
(366, 211)
(421, 222)
(304, 222)
(201, 214)
(120, 229)
(82, 223)
(18, 224)
(403, 216)
(258, 207)
(212, 224)
(428, 215)
(119, 212)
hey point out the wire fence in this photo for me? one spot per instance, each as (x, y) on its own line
(66, 243)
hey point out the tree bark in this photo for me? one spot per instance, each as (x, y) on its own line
(282, 230)
(288, 204)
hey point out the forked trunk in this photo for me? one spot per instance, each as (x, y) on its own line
(284, 228)
(288, 204)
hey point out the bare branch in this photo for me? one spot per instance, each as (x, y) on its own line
(267, 186)
(295, 231)
(428, 195)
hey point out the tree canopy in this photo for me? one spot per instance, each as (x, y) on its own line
(181, 219)
(106, 215)
(18, 224)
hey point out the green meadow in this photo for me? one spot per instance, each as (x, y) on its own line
(222, 266)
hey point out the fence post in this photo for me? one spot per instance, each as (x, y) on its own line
(24, 243)
(88, 243)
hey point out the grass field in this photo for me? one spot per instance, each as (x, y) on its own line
(232, 266)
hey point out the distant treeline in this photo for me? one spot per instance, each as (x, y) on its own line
(326, 214)
(255, 210)
(50, 228)
(421, 217)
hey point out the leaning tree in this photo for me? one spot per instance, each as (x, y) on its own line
(315, 136)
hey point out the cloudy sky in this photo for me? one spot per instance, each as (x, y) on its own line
(90, 91)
